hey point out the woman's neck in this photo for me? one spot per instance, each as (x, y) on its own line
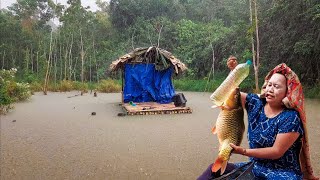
(272, 110)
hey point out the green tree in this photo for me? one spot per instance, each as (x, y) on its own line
(290, 32)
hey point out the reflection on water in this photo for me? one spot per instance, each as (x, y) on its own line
(55, 137)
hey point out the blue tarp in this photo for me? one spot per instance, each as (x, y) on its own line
(143, 83)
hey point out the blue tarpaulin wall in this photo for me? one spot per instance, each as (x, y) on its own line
(143, 83)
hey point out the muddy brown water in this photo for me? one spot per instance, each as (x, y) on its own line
(55, 137)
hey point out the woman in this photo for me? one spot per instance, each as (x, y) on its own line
(276, 129)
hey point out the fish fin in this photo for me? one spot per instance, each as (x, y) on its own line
(214, 130)
(222, 107)
(223, 167)
(217, 164)
(214, 106)
(226, 108)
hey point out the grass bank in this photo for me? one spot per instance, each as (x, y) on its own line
(205, 85)
(196, 85)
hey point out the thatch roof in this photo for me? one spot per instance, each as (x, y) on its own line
(160, 57)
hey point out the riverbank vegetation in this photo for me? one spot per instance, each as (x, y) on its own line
(57, 47)
(10, 90)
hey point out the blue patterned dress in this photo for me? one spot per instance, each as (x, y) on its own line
(262, 132)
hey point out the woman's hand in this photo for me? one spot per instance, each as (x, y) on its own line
(232, 62)
(238, 149)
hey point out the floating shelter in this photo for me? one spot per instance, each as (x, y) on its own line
(147, 86)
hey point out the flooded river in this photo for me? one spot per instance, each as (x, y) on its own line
(56, 137)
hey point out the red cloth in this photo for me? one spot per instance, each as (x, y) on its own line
(295, 100)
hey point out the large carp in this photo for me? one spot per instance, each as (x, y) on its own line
(229, 128)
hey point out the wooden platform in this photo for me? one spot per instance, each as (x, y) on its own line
(150, 108)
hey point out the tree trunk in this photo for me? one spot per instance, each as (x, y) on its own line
(97, 72)
(37, 58)
(54, 56)
(82, 54)
(213, 60)
(90, 71)
(93, 48)
(27, 56)
(55, 69)
(95, 60)
(48, 67)
(12, 57)
(31, 58)
(65, 62)
(257, 64)
(253, 48)
(159, 36)
(70, 58)
(61, 64)
(3, 56)
(37, 64)
(74, 71)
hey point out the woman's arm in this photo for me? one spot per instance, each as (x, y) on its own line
(243, 99)
(281, 145)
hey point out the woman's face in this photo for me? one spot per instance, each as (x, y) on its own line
(276, 89)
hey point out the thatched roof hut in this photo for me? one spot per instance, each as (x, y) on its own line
(147, 86)
(161, 58)
(147, 75)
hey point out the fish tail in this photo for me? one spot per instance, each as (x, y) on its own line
(220, 163)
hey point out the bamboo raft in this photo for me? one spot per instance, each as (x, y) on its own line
(152, 108)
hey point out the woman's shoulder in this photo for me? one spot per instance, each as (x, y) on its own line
(252, 97)
(290, 112)
(289, 121)
(253, 103)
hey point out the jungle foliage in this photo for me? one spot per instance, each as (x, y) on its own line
(72, 43)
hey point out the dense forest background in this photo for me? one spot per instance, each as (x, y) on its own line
(48, 41)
